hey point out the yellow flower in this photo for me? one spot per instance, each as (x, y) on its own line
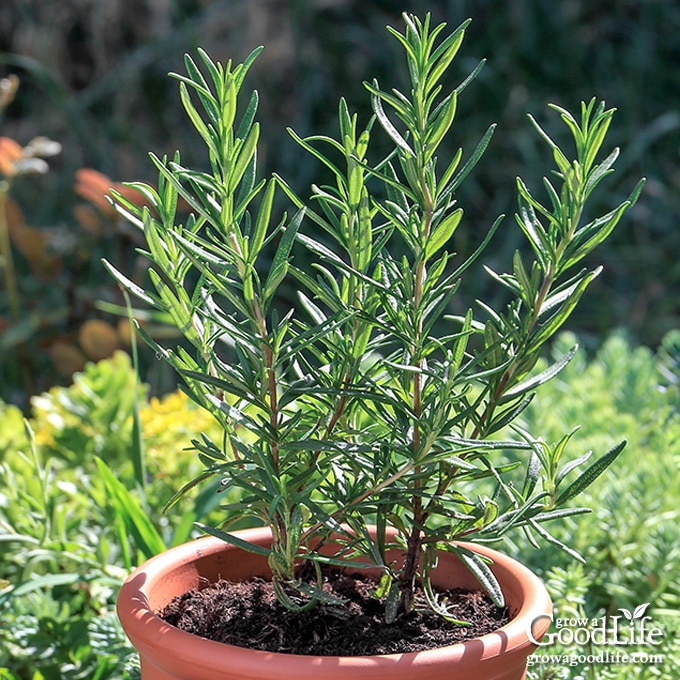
(168, 425)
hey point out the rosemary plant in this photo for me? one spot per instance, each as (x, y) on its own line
(356, 406)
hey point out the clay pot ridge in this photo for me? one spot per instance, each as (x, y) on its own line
(167, 653)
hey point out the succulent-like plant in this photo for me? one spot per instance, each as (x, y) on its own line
(366, 402)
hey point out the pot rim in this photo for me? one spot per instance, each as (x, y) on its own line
(148, 631)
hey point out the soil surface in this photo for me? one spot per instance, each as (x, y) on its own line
(248, 614)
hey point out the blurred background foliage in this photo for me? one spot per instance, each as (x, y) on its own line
(93, 77)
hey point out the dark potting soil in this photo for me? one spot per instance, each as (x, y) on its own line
(247, 614)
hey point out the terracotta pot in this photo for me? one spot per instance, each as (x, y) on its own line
(167, 653)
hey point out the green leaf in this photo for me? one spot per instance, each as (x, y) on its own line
(248, 117)
(404, 42)
(38, 583)
(132, 287)
(448, 173)
(548, 537)
(202, 129)
(177, 305)
(559, 513)
(509, 415)
(549, 328)
(571, 465)
(527, 289)
(533, 474)
(137, 523)
(241, 71)
(443, 56)
(473, 74)
(392, 602)
(262, 222)
(208, 101)
(234, 540)
(560, 159)
(279, 267)
(318, 595)
(191, 484)
(195, 79)
(441, 126)
(594, 141)
(592, 235)
(481, 571)
(472, 161)
(365, 234)
(442, 234)
(533, 204)
(245, 156)
(601, 171)
(590, 474)
(304, 143)
(543, 377)
(201, 209)
(533, 230)
(480, 248)
(397, 101)
(492, 343)
(387, 125)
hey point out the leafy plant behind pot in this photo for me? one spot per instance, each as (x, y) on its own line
(356, 405)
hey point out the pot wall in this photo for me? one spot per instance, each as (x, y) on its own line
(168, 653)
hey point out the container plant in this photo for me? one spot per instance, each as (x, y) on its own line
(370, 426)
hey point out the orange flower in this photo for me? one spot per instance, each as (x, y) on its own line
(94, 187)
(10, 153)
(18, 160)
(32, 243)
